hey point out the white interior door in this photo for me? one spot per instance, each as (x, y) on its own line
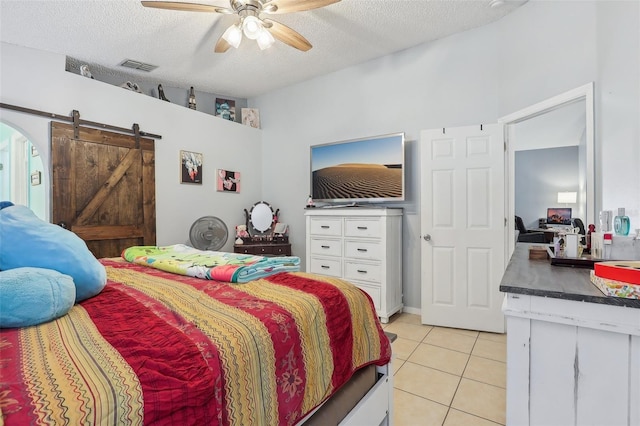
(463, 227)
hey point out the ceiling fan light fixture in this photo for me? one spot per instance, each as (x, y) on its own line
(252, 27)
(265, 39)
(233, 35)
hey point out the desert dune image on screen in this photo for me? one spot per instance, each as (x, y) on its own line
(364, 169)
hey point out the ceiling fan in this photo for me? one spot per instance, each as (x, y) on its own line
(251, 23)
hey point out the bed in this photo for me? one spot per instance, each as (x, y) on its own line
(159, 348)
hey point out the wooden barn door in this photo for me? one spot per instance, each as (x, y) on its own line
(103, 187)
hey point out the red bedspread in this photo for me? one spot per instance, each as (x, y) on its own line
(158, 348)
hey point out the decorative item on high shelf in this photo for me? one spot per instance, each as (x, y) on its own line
(228, 181)
(161, 93)
(251, 117)
(190, 167)
(131, 86)
(85, 72)
(226, 109)
(192, 98)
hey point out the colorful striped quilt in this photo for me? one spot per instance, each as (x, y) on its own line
(165, 349)
(210, 265)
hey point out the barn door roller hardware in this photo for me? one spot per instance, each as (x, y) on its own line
(77, 122)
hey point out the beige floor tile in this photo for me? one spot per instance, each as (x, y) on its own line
(409, 331)
(397, 363)
(458, 418)
(446, 339)
(482, 400)
(402, 348)
(494, 337)
(411, 410)
(439, 358)
(492, 350)
(426, 382)
(486, 371)
(470, 333)
(409, 318)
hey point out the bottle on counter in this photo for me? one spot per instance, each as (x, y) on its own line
(592, 228)
(621, 224)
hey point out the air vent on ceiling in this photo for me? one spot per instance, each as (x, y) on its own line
(137, 65)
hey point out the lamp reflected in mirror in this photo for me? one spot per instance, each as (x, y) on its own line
(567, 197)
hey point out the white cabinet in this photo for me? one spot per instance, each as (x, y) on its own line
(360, 245)
(571, 362)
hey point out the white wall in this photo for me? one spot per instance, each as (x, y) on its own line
(539, 51)
(38, 80)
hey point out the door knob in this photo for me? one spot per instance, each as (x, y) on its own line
(63, 225)
(427, 237)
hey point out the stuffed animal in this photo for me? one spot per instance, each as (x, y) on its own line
(241, 232)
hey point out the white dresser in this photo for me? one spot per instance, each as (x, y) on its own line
(361, 245)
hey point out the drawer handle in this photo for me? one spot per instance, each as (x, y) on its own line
(325, 246)
(325, 226)
(325, 267)
(364, 228)
(362, 271)
(361, 249)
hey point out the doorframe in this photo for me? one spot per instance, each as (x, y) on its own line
(585, 93)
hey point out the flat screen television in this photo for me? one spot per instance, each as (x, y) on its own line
(366, 170)
(559, 216)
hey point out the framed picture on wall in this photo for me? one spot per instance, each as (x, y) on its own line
(36, 178)
(226, 108)
(190, 167)
(250, 117)
(228, 181)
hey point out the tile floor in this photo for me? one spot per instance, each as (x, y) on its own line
(447, 376)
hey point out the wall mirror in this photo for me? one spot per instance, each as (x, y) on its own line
(260, 218)
(559, 122)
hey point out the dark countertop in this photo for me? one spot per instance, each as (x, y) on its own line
(540, 278)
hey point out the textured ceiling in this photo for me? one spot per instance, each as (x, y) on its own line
(105, 32)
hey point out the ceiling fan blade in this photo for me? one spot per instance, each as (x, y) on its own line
(288, 6)
(222, 46)
(189, 7)
(287, 35)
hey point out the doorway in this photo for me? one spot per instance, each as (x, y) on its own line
(22, 172)
(581, 96)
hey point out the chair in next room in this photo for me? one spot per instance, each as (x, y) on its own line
(527, 236)
(577, 223)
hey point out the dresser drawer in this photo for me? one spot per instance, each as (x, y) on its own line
(325, 247)
(373, 292)
(371, 250)
(332, 267)
(325, 226)
(370, 228)
(358, 271)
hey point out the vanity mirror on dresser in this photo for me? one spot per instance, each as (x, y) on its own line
(266, 236)
(361, 245)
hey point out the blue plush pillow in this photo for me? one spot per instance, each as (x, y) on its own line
(30, 296)
(26, 240)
